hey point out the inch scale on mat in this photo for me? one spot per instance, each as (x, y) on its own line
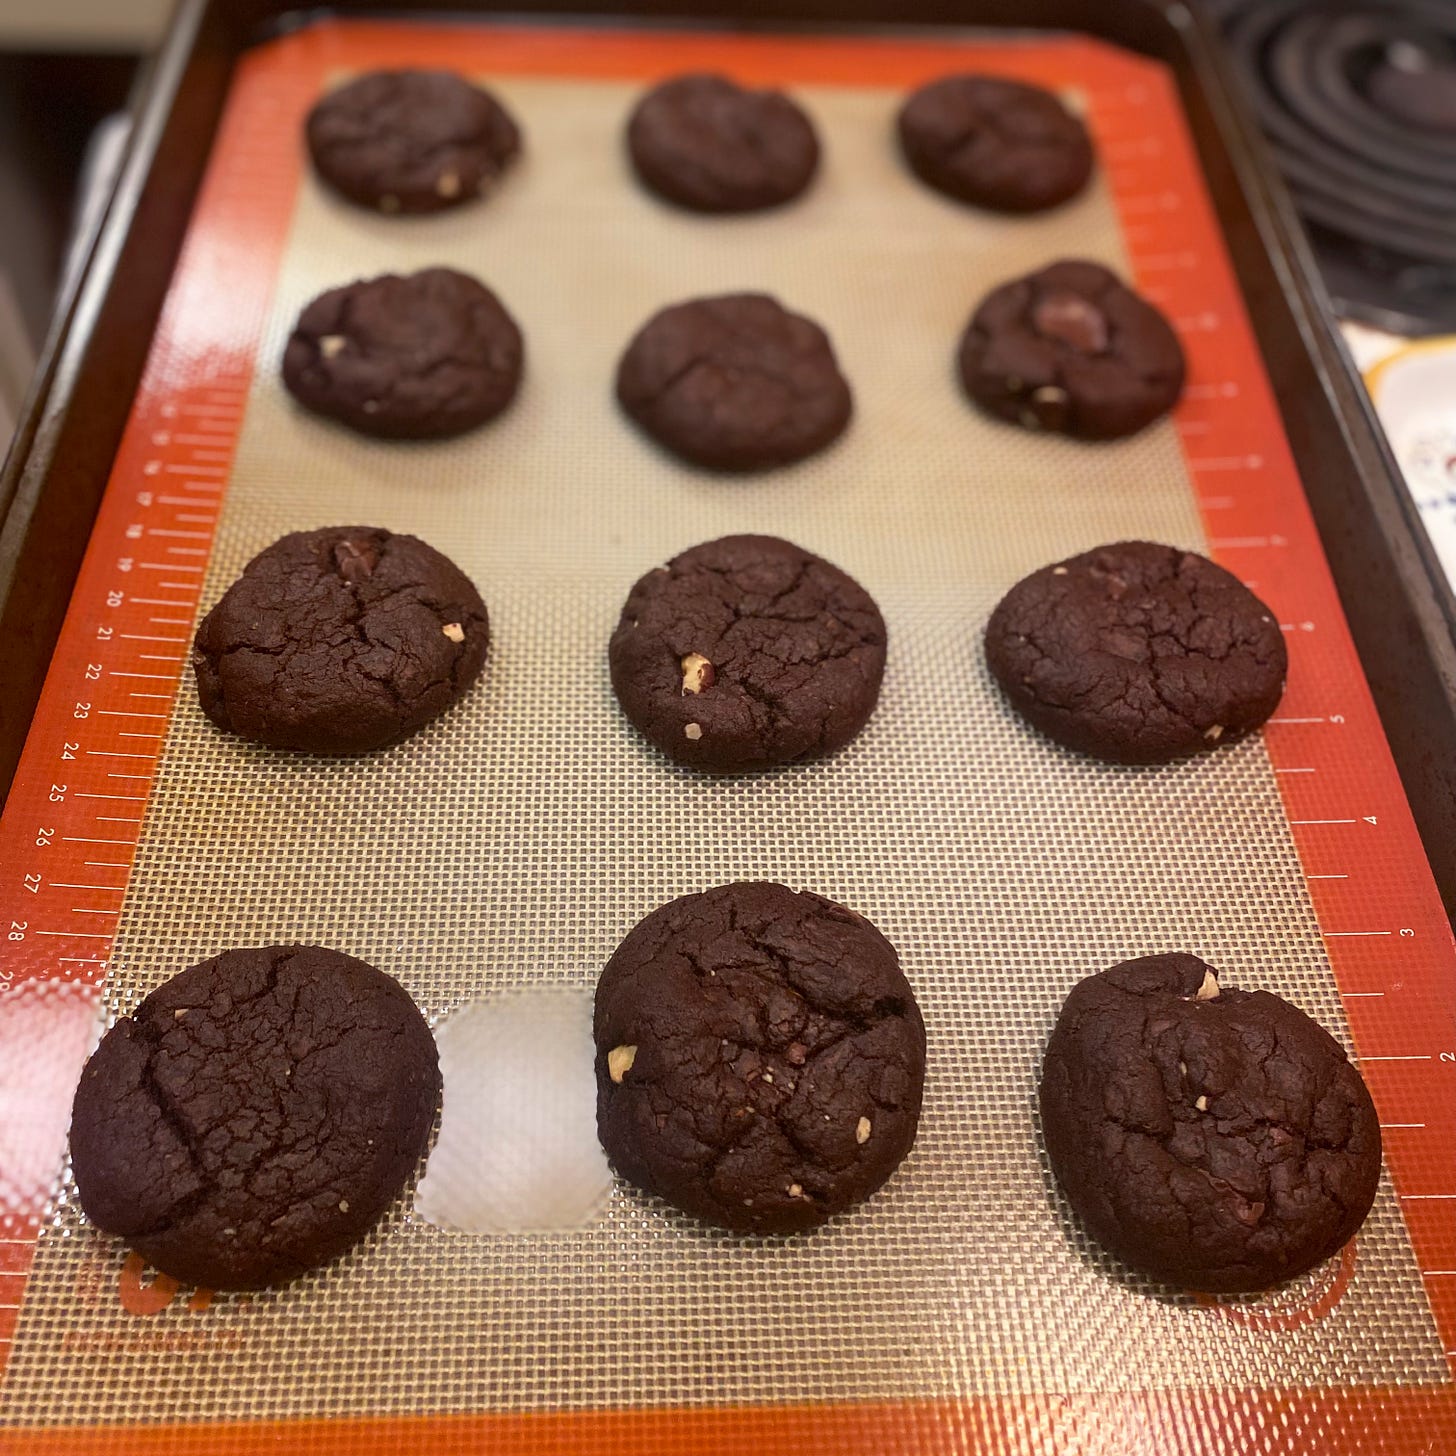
(1348, 825)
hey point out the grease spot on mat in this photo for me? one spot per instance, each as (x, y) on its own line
(518, 1150)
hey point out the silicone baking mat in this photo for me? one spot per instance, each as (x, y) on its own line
(516, 840)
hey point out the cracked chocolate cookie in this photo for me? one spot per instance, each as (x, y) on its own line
(746, 652)
(421, 357)
(1137, 653)
(411, 141)
(1072, 350)
(734, 383)
(255, 1115)
(1213, 1138)
(760, 1058)
(995, 143)
(340, 641)
(712, 146)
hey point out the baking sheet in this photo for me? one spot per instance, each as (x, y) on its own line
(515, 841)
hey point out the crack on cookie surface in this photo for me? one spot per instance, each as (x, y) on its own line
(735, 382)
(1273, 1173)
(422, 356)
(255, 1114)
(397, 134)
(995, 143)
(796, 646)
(767, 1025)
(1023, 373)
(298, 655)
(1134, 652)
(707, 144)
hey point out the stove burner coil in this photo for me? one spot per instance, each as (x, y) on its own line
(1359, 100)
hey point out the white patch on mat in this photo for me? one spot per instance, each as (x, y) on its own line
(518, 1150)
(47, 1031)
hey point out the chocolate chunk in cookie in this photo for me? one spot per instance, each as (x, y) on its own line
(1137, 653)
(411, 141)
(760, 1058)
(255, 1115)
(746, 652)
(1213, 1138)
(711, 146)
(734, 383)
(1072, 350)
(995, 143)
(340, 641)
(413, 358)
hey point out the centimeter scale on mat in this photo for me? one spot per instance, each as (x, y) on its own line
(76, 812)
(74, 817)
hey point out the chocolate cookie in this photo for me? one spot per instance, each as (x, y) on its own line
(1137, 653)
(746, 652)
(1070, 349)
(708, 145)
(734, 383)
(1215, 1139)
(760, 1058)
(255, 1115)
(414, 358)
(411, 141)
(340, 641)
(995, 143)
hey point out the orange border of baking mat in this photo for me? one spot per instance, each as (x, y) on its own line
(123, 648)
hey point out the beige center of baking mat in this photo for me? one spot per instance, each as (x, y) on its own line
(516, 841)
